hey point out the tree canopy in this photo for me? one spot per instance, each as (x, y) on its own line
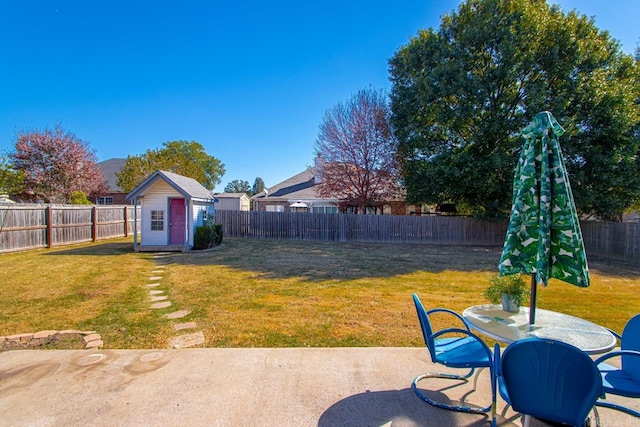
(357, 147)
(461, 95)
(238, 186)
(54, 163)
(258, 186)
(187, 158)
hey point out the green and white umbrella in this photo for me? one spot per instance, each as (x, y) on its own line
(543, 237)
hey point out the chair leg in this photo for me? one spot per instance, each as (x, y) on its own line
(430, 401)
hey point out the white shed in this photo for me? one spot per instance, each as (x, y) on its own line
(172, 206)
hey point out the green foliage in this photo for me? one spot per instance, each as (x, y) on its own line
(79, 198)
(258, 186)
(217, 229)
(207, 236)
(238, 186)
(11, 180)
(513, 285)
(181, 157)
(461, 95)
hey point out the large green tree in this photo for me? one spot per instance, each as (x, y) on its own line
(462, 93)
(186, 158)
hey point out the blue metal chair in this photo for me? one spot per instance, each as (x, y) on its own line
(623, 381)
(548, 379)
(461, 349)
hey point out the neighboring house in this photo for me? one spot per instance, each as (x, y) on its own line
(114, 195)
(172, 206)
(232, 201)
(300, 194)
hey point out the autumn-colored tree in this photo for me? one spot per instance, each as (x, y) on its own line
(357, 148)
(181, 157)
(54, 164)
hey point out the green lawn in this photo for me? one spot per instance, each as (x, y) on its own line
(266, 293)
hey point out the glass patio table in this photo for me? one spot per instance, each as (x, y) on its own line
(507, 327)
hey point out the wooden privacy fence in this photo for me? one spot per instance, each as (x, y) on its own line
(43, 226)
(434, 230)
(611, 240)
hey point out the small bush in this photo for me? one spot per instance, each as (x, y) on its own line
(218, 230)
(207, 236)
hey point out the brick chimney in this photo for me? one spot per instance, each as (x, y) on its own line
(318, 170)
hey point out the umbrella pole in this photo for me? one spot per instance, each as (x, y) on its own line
(532, 300)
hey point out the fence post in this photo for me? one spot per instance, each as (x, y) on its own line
(49, 220)
(94, 223)
(126, 222)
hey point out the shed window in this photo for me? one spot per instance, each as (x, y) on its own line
(157, 220)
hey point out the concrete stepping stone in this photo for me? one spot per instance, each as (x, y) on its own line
(155, 278)
(91, 337)
(181, 326)
(159, 298)
(153, 285)
(188, 340)
(178, 314)
(94, 344)
(155, 292)
(157, 272)
(162, 304)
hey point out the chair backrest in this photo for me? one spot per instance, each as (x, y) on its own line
(550, 380)
(631, 341)
(425, 325)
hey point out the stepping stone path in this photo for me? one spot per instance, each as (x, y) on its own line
(161, 301)
(93, 340)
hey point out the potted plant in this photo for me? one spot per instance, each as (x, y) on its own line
(510, 290)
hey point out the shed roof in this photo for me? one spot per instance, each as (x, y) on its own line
(188, 187)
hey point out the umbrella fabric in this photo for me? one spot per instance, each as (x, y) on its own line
(543, 235)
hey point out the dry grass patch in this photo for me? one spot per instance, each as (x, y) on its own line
(87, 287)
(266, 293)
(282, 293)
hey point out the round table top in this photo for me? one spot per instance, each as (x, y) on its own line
(508, 327)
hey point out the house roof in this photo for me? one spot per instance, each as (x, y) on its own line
(109, 168)
(188, 187)
(301, 186)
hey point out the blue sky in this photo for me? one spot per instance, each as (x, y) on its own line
(248, 80)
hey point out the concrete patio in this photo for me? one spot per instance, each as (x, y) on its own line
(234, 387)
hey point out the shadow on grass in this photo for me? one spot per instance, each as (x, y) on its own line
(341, 261)
(110, 248)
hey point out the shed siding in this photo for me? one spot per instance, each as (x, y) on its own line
(233, 203)
(156, 199)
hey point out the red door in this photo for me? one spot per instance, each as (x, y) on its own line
(176, 222)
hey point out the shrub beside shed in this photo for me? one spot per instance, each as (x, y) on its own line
(172, 206)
